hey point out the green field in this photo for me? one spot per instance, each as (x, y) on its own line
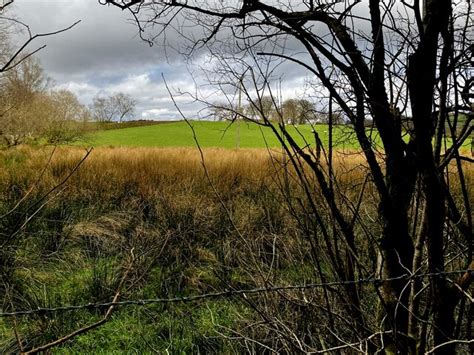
(215, 134)
(240, 134)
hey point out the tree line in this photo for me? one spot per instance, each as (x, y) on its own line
(290, 111)
(31, 108)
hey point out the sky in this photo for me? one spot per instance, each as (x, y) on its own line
(103, 55)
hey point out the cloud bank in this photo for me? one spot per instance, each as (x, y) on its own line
(103, 55)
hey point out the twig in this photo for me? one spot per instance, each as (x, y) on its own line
(353, 345)
(5, 5)
(8, 65)
(454, 341)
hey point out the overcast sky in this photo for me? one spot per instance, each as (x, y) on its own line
(103, 55)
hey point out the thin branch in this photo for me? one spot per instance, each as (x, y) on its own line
(8, 65)
(455, 341)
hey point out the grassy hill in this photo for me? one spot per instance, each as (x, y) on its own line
(220, 135)
(214, 134)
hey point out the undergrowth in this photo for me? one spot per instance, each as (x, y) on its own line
(190, 233)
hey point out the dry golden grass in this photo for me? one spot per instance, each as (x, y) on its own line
(108, 169)
(111, 171)
(159, 201)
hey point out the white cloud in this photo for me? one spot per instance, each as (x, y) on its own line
(154, 113)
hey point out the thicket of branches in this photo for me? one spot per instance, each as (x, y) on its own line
(406, 67)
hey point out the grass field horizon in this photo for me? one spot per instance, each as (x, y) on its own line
(224, 134)
(216, 135)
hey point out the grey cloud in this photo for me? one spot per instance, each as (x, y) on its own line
(104, 41)
(103, 54)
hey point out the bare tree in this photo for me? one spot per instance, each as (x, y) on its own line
(32, 111)
(68, 106)
(263, 107)
(125, 104)
(221, 111)
(383, 62)
(102, 109)
(298, 111)
(115, 107)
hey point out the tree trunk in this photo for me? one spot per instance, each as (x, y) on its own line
(421, 82)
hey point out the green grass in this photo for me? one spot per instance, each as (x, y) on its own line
(215, 134)
(179, 329)
(119, 125)
(224, 135)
